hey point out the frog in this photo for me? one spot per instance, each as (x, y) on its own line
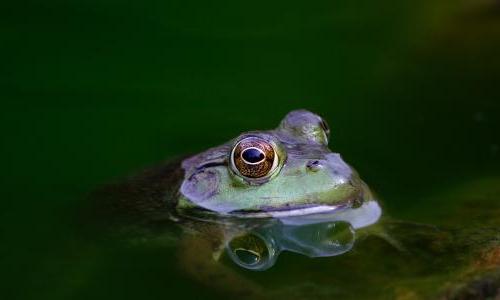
(254, 187)
(287, 171)
(254, 196)
(283, 172)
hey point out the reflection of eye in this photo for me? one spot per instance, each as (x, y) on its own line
(249, 249)
(253, 251)
(254, 157)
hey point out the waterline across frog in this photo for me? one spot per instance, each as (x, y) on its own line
(288, 171)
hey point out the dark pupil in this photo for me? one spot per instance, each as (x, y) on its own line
(252, 155)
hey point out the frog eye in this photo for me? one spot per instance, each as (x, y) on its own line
(253, 157)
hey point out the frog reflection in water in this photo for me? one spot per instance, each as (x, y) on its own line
(258, 249)
(257, 195)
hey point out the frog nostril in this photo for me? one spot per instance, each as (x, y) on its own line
(314, 165)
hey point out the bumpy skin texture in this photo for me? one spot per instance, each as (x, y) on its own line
(308, 176)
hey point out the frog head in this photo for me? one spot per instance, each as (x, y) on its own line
(287, 171)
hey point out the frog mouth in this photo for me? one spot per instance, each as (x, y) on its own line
(289, 211)
(368, 213)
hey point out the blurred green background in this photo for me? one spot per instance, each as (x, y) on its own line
(95, 90)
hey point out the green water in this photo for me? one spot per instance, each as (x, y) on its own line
(95, 90)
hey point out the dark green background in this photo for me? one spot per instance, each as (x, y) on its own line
(94, 90)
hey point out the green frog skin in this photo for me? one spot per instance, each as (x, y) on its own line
(287, 171)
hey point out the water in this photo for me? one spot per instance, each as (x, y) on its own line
(94, 91)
